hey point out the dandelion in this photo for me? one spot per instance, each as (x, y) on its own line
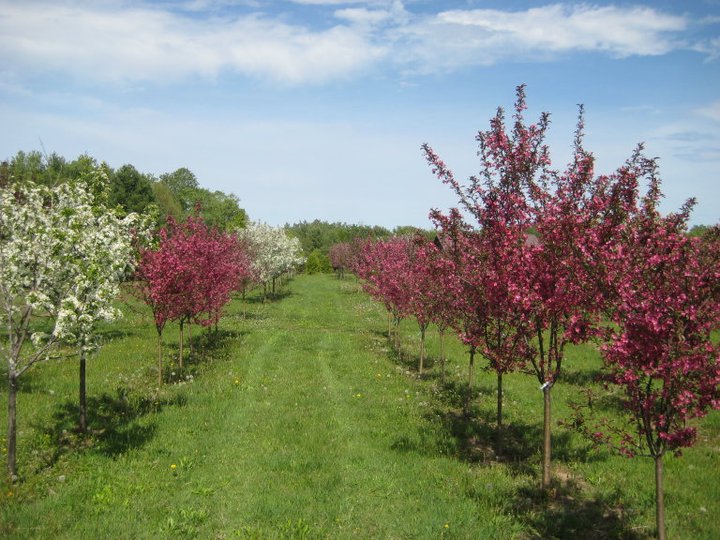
(173, 466)
(447, 525)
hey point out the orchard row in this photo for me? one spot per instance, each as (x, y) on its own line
(537, 259)
(64, 251)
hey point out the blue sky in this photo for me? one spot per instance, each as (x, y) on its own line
(317, 108)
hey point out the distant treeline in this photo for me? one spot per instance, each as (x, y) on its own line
(317, 237)
(175, 194)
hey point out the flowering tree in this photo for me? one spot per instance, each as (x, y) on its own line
(428, 289)
(341, 257)
(273, 252)
(101, 253)
(189, 276)
(45, 233)
(534, 295)
(665, 305)
(383, 266)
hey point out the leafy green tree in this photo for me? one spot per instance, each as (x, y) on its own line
(30, 166)
(317, 263)
(323, 235)
(699, 230)
(218, 209)
(168, 204)
(130, 190)
(83, 165)
(182, 182)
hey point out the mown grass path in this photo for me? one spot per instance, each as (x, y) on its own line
(302, 423)
(318, 419)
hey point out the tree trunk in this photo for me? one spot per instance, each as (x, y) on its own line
(659, 498)
(159, 354)
(422, 350)
(471, 369)
(273, 287)
(546, 437)
(182, 339)
(397, 336)
(83, 394)
(12, 425)
(499, 434)
(471, 377)
(442, 355)
(190, 345)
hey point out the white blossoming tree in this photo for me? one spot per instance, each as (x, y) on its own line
(62, 257)
(273, 252)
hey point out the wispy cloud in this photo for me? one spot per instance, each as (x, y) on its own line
(488, 36)
(129, 42)
(141, 43)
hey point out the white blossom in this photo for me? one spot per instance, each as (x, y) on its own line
(62, 254)
(274, 252)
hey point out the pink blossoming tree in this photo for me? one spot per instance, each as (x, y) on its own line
(531, 296)
(189, 276)
(665, 305)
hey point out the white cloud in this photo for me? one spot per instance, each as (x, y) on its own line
(129, 42)
(710, 48)
(621, 31)
(139, 44)
(487, 36)
(363, 16)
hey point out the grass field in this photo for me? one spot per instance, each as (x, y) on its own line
(299, 421)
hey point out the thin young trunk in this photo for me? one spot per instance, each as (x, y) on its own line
(546, 437)
(471, 368)
(12, 425)
(182, 339)
(273, 286)
(190, 345)
(159, 355)
(422, 350)
(499, 434)
(659, 498)
(397, 336)
(389, 325)
(442, 355)
(83, 394)
(471, 377)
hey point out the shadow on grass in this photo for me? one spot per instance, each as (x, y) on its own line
(408, 360)
(114, 424)
(271, 297)
(474, 439)
(203, 347)
(245, 315)
(569, 510)
(470, 434)
(582, 378)
(110, 334)
(459, 395)
(214, 343)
